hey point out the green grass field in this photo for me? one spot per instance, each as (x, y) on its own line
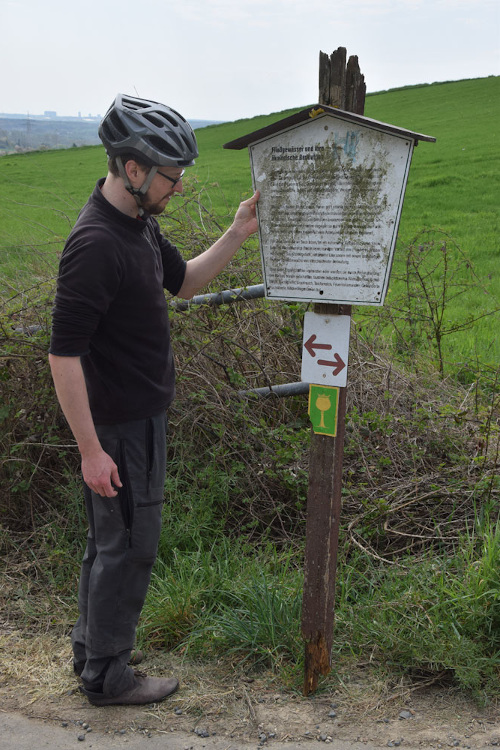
(453, 187)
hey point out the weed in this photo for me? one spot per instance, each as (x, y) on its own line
(430, 281)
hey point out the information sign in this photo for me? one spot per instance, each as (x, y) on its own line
(331, 198)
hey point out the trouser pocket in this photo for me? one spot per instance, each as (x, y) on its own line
(126, 493)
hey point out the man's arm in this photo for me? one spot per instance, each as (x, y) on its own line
(205, 267)
(99, 470)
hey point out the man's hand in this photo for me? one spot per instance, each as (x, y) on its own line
(100, 473)
(205, 267)
(99, 470)
(245, 219)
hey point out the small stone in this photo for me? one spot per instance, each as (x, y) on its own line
(405, 715)
(81, 738)
(64, 724)
(323, 737)
(201, 732)
(332, 714)
(178, 711)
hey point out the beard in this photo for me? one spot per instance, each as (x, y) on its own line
(152, 208)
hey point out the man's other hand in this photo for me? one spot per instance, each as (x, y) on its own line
(100, 473)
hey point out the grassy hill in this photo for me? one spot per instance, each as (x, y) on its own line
(453, 187)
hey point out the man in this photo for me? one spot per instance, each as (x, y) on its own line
(113, 371)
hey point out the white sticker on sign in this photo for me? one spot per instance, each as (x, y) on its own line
(325, 350)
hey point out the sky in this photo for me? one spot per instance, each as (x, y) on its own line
(227, 59)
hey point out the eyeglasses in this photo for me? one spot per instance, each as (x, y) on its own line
(171, 179)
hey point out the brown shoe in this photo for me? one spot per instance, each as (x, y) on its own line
(144, 690)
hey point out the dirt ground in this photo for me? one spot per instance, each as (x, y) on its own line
(36, 681)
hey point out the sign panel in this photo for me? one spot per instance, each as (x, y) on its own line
(331, 198)
(325, 350)
(323, 409)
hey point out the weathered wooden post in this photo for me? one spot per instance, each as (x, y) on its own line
(343, 87)
(332, 186)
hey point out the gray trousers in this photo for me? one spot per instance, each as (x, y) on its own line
(121, 549)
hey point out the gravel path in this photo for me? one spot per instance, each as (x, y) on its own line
(20, 733)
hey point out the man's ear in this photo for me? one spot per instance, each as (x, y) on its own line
(134, 171)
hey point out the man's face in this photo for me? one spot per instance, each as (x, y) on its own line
(162, 189)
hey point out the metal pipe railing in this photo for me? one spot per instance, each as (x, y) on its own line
(221, 298)
(235, 295)
(285, 389)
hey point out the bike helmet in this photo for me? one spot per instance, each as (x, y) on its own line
(155, 133)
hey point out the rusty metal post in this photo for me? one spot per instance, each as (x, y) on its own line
(339, 86)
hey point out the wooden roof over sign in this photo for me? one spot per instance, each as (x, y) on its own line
(315, 111)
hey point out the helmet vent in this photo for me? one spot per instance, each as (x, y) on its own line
(160, 145)
(171, 120)
(158, 122)
(117, 125)
(135, 104)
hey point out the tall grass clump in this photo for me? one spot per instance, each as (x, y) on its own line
(426, 618)
(231, 599)
(434, 616)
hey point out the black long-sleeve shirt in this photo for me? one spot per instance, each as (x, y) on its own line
(110, 310)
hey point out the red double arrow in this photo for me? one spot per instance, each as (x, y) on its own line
(338, 364)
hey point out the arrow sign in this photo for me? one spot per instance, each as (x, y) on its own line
(310, 346)
(327, 335)
(338, 365)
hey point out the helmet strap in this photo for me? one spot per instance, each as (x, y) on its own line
(138, 193)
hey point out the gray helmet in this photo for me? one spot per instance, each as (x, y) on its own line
(156, 134)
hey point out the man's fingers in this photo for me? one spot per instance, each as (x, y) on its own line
(106, 486)
(104, 490)
(250, 201)
(115, 478)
